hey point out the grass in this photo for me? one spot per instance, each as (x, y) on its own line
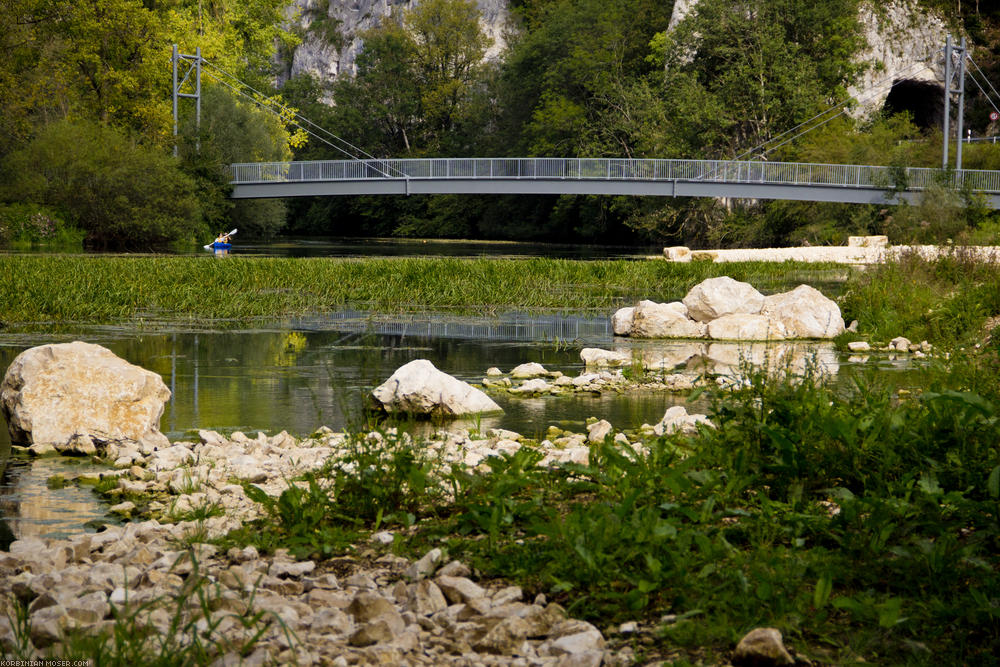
(942, 301)
(74, 288)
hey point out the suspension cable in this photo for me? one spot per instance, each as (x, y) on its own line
(866, 94)
(298, 116)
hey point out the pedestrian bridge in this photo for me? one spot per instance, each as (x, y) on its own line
(754, 179)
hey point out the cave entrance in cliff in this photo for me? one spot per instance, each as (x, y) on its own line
(923, 99)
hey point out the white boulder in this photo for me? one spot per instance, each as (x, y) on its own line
(805, 312)
(52, 394)
(594, 356)
(421, 389)
(532, 369)
(677, 418)
(621, 321)
(664, 320)
(743, 326)
(715, 297)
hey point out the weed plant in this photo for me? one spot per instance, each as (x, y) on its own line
(945, 301)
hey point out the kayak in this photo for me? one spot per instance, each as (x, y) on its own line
(215, 245)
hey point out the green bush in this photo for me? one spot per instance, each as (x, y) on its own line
(31, 225)
(120, 193)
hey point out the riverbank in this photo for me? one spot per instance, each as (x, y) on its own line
(792, 505)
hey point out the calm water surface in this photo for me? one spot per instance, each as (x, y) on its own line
(300, 374)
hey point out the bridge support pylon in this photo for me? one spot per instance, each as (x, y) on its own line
(194, 65)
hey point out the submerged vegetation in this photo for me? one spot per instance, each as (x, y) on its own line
(947, 301)
(112, 289)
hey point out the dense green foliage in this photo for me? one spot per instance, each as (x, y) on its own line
(608, 79)
(105, 184)
(87, 128)
(575, 78)
(861, 523)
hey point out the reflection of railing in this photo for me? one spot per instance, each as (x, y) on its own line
(509, 328)
(708, 171)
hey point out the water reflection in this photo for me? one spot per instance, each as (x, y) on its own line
(298, 375)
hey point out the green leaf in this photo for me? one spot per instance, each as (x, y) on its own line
(822, 590)
(993, 483)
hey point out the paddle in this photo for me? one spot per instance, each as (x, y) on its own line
(210, 245)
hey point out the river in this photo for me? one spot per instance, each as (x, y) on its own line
(300, 374)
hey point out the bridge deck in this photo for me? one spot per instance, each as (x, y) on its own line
(604, 176)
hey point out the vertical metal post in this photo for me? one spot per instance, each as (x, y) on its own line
(947, 100)
(961, 107)
(178, 83)
(174, 62)
(197, 99)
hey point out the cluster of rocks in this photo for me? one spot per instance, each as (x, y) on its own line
(726, 309)
(896, 345)
(367, 609)
(380, 609)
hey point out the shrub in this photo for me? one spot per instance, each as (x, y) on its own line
(120, 193)
(32, 225)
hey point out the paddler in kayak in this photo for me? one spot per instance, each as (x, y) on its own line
(222, 238)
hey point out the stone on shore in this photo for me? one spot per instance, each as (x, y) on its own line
(716, 297)
(418, 388)
(677, 418)
(761, 646)
(805, 313)
(664, 320)
(65, 394)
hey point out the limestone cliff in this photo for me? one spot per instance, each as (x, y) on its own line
(905, 44)
(331, 31)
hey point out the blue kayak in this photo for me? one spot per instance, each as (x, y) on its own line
(219, 246)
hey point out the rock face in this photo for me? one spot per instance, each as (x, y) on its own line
(64, 394)
(317, 55)
(421, 389)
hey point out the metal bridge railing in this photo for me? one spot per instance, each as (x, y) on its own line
(618, 169)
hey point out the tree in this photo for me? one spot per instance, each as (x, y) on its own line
(119, 192)
(235, 130)
(417, 81)
(738, 72)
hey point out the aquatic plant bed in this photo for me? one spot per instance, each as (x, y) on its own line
(122, 288)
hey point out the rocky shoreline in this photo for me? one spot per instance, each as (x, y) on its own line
(367, 608)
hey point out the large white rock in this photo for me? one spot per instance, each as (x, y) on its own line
(741, 326)
(716, 297)
(52, 393)
(621, 321)
(421, 389)
(595, 356)
(664, 320)
(676, 418)
(805, 312)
